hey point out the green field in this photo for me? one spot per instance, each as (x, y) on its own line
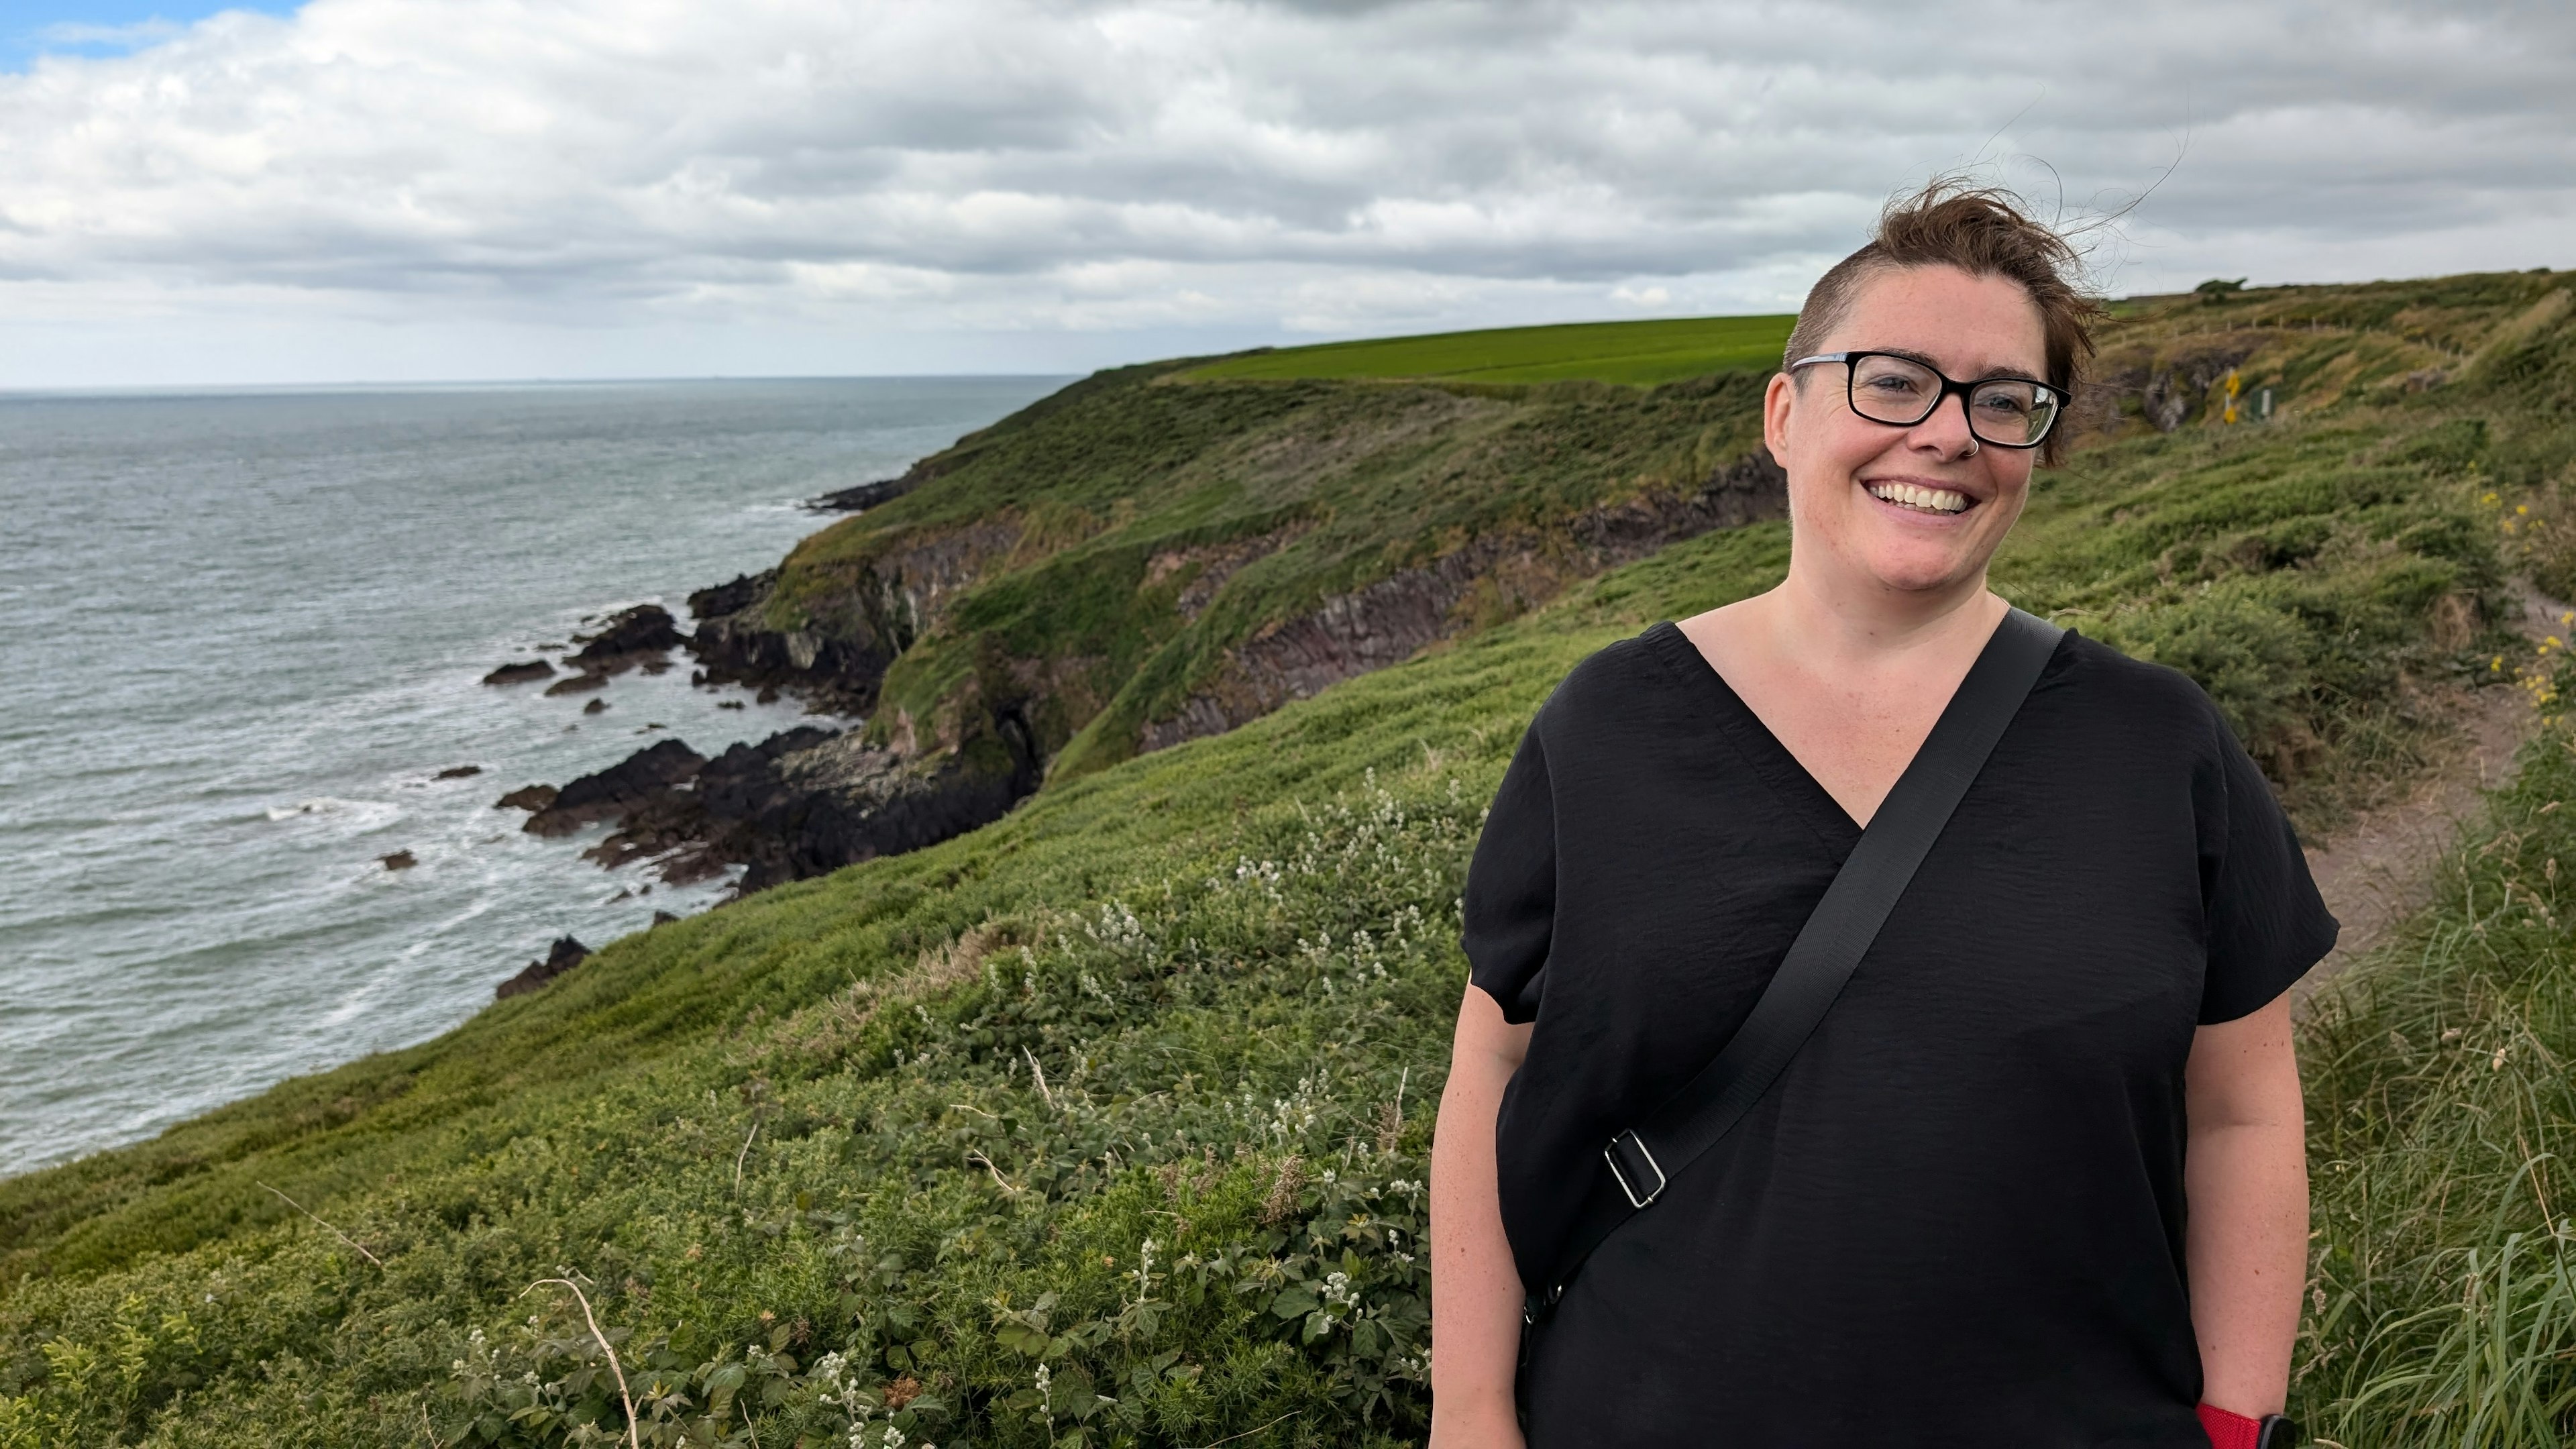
(1106, 1124)
(1640, 354)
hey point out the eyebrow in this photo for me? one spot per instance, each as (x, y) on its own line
(2015, 373)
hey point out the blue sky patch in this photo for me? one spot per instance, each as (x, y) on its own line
(30, 28)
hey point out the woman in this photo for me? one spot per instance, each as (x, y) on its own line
(2037, 1176)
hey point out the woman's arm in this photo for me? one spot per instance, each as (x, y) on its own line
(1475, 1290)
(2246, 1175)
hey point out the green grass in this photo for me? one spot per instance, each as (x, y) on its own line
(797, 1153)
(1639, 354)
(2441, 1085)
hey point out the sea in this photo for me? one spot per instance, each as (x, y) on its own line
(241, 638)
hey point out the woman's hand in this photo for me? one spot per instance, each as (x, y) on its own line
(1475, 1289)
(2246, 1175)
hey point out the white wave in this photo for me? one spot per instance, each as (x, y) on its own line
(345, 817)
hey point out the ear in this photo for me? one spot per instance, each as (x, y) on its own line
(1777, 400)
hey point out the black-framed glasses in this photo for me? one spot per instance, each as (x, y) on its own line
(1900, 391)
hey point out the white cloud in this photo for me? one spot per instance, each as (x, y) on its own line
(386, 187)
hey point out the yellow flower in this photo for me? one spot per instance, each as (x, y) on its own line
(2522, 508)
(2498, 665)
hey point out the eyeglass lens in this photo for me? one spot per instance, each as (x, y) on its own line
(2001, 410)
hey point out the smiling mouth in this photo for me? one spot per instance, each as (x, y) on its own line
(1919, 499)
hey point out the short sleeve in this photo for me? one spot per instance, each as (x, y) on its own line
(2266, 923)
(1510, 905)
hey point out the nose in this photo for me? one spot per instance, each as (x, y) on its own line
(1946, 432)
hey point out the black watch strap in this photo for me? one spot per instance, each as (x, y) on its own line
(2278, 1431)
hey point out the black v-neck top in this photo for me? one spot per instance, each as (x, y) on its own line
(1957, 1217)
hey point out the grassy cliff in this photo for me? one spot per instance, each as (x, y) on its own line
(1107, 1122)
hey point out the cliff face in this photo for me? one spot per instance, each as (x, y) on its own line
(1492, 576)
(1145, 559)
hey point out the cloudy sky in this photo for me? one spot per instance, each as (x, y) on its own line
(418, 189)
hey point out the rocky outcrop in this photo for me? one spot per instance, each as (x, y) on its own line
(623, 787)
(688, 815)
(1388, 621)
(638, 638)
(525, 671)
(801, 803)
(630, 637)
(565, 955)
(527, 797)
(892, 597)
(2162, 387)
(862, 497)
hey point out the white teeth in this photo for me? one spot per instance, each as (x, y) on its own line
(1910, 495)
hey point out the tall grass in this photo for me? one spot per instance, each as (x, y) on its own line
(2442, 1116)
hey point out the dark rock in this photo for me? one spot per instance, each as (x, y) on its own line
(611, 793)
(458, 772)
(527, 797)
(741, 593)
(520, 672)
(399, 860)
(806, 802)
(565, 955)
(644, 629)
(662, 918)
(862, 497)
(869, 495)
(732, 704)
(723, 790)
(596, 706)
(640, 637)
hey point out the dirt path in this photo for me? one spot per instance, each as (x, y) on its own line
(2378, 870)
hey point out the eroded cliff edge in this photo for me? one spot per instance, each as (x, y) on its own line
(1146, 558)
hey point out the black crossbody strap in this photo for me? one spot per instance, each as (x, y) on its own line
(1828, 948)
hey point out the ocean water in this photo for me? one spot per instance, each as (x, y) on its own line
(240, 634)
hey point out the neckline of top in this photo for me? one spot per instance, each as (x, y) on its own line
(1773, 762)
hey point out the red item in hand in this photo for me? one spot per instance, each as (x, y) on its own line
(2230, 1431)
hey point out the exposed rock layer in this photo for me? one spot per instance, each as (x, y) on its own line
(803, 802)
(565, 955)
(1388, 621)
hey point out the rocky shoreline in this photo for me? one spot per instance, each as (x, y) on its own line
(803, 802)
(809, 800)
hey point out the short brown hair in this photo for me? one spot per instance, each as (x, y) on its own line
(1983, 231)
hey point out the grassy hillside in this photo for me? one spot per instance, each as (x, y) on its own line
(1108, 569)
(1107, 1123)
(1635, 353)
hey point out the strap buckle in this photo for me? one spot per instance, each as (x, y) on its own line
(1632, 1148)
